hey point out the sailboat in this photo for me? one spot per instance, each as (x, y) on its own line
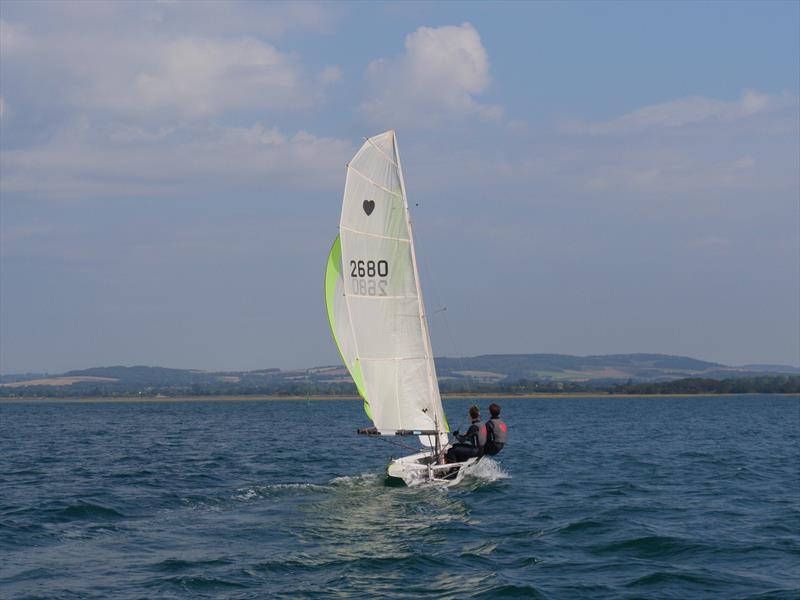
(377, 315)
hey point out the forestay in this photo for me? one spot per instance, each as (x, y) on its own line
(374, 301)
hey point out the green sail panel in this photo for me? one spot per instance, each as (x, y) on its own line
(339, 320)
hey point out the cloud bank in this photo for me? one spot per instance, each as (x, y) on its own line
(684, 112)
(129, 99)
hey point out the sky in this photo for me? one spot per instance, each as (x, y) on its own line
(584, 178)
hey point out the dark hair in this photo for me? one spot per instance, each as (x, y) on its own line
(494, 409)
(474, 412)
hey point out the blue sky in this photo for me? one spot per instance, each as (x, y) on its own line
(590, 177)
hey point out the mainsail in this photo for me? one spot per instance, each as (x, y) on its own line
(373, 297)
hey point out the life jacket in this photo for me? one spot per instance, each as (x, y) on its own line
(498, 430)
(482, 436)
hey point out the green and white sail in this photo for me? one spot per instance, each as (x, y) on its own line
(374, 301)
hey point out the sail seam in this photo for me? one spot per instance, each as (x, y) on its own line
(384, 298)
(377, 235)
(347, 299)
(373, 182)
(386, 156)
(397, 386)
(395, 358)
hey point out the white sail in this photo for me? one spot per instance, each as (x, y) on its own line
(374, 301)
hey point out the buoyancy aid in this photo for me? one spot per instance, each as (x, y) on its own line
(497, 430)
(475, 435)
(482, 434)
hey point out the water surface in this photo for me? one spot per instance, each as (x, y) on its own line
(593, 498)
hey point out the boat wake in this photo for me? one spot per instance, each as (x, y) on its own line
(487, 470)
(365, 479)
(483, 472)
(265, 491)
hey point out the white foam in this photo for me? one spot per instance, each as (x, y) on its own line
(487, 469)
(356, 480)
(260, 491)
(247, 495)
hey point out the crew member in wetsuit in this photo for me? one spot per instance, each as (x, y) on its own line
(472, 442)
(496, 431)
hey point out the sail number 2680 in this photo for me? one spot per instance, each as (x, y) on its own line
(369, 268)
(363, 273)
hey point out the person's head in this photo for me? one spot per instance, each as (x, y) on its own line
(474, 412)
(494, 409)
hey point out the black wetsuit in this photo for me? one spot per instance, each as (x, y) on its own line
(471, 443)
(496, 435)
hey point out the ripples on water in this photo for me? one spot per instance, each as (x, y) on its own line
(612, 497)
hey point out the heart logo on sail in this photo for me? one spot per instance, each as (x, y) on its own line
(369, 206)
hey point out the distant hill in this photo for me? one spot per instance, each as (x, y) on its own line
(577, 368)
(485, 373)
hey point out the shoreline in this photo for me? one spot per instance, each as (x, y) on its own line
(187, 399)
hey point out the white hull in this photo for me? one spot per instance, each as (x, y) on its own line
(420, 468)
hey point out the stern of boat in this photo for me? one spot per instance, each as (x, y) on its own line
(421, 468)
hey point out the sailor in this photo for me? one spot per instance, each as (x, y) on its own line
(496, 431)
(472, 442)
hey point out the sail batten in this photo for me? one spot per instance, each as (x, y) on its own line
(375, 183)
(392, 162)
(375, 303)
(385, 237)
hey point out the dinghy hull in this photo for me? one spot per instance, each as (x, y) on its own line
(421, 469)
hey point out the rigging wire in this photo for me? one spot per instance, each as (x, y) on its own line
(399, 444)
(437, 296)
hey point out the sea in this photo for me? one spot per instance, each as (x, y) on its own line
(605, 497)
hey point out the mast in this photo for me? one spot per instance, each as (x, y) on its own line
(432, 382)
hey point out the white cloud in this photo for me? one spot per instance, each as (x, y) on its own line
(13, 38)
(144, 70)
(256, 18)
(658, 174)
(141, 98)
(330, 74)
(683, 112)
(90, 162)
(436, 78)
(200, 77)
(210, 18)
(139, 134)
(257, 135)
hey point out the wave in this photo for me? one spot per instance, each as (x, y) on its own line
(664, 577)
(583, 525)
(33, 574)
(653, 546)
(512, 591)
(311, 562)
(196, 583)
(479, 550)
(88, 510)
(173, 565)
